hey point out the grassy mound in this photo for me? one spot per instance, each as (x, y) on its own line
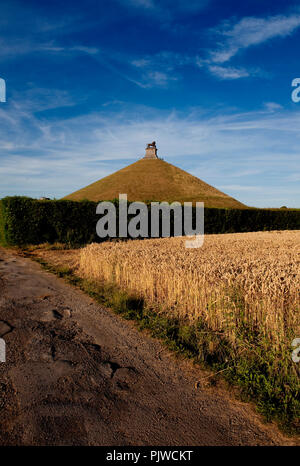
(155, 180)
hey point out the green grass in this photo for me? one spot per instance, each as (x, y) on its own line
(155, 180)
(271, 382)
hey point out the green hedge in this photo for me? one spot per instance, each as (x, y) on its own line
(29, 221)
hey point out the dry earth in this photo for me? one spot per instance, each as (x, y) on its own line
(76, 374)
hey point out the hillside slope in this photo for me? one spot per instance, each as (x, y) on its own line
(155, 180)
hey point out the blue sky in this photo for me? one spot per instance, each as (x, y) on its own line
(90, 83)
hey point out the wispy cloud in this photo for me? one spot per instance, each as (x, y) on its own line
(230, 37)
(272, 106)
(73, 49)
(228, 72)
(155, 78)
(160, 69)
(250, 31)
(13, 48)
(164, 59)
(256, 149)
(164, 68)
(172, 6)
(168, 65)
(233, 37)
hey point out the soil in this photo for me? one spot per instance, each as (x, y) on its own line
(77, 374)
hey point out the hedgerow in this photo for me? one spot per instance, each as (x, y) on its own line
(25, 220)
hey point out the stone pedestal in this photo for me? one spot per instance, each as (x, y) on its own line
(151, 152)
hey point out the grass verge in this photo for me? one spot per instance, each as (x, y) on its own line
(271, 383)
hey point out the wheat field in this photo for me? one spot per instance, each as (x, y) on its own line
(232, 281)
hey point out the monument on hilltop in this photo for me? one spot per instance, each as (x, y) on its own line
(151, 151)
(151, 178)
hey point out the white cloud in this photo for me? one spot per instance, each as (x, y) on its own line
(173, 7)
(228, 72)
(141, 63)
(75, 48)
(159, 69)
(156, 78)
(272, 106)
(231, 38)
(250, 31)
(167, 63)
(16, 47)
(256, 149)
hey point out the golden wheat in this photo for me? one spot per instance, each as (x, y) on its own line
(233, 279)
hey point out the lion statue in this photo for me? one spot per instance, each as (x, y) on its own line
(152, 144)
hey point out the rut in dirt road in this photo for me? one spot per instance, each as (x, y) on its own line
(76, 374)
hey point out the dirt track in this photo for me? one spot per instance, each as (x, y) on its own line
(76, 374)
